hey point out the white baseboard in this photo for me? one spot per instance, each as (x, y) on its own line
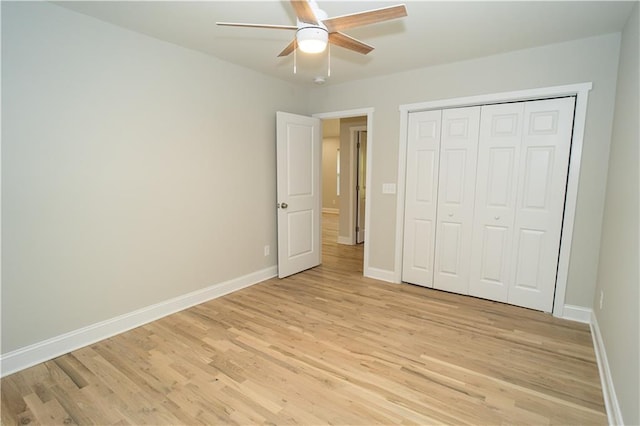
(45, 350)
(577, 313)
(380, 274)
(614, 415)
(345, 240)
(330, 210)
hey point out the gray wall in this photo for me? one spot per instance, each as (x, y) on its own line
(586, 60)
(330, 147)
(133, 171)
(618, 275)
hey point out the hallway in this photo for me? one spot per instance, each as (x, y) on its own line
(339, 257)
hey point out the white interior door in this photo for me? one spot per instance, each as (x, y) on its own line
(456, 196)
(423, 152)
(496, 187)
(299, 153)
(542, 178)
(361, 190)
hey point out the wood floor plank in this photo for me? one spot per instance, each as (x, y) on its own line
(13, 403)
(326, 346)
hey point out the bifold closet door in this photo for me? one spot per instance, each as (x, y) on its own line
(423, 150)
(496, 186)
(523, 157)
(542, 180)
(456, 193)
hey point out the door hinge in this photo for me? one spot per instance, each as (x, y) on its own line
(357, 229)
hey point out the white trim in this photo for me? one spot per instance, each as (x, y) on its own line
(577, 313)
(614, 415)
(571, 197)
(48, 349)
(495, 98)
(330, 210)
(581, 92)
(400, 197)
(368, 112)
(344, 114)
(380, 274)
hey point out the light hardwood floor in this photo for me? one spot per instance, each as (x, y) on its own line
(324, 346)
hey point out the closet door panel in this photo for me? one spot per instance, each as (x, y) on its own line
(423, 156)
(494, 254)
(539, 209)
(499, 183)
(453, 165)
(530, 244)
(425, 166)
(456, 192)
(422, 248)
(449, 242)
(495, 200)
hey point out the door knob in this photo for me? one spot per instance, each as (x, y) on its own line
(283, 205)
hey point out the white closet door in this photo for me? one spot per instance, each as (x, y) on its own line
(498, 159)
(456, 195)
(542, 178)
(423, 147)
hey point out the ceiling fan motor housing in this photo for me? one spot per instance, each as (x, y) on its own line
(312, 38)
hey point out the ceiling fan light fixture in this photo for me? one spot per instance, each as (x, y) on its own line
(312, 39)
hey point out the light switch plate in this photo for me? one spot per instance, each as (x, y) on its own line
(388, 188)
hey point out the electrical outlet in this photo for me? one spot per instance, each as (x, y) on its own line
(601, 298)
(267, 250)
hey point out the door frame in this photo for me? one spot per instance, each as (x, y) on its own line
(367, 271)
(581, 92)
(357, 146)
(353, 181)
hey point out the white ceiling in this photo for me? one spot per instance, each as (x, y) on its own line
(434, 32)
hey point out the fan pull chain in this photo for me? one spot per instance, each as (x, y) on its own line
(329, 60)
(295, 59)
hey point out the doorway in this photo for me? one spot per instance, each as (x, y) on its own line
(352, 178)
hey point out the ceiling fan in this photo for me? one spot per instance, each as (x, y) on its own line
(315, 29)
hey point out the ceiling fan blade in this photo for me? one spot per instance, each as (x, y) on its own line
(340, 23)
(290, 48)
(277, 27)
(304, 12)
(348, 42)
